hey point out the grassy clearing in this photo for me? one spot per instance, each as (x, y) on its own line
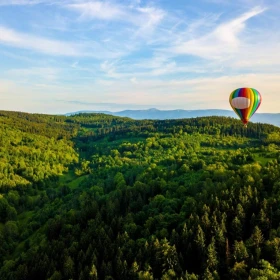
(67, 177)
(76, 182)
(71, 180)
(261, 159)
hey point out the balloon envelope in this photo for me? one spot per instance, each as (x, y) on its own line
(245, 102)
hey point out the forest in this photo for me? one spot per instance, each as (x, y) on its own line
(94, 196)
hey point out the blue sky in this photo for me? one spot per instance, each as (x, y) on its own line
(58, 56)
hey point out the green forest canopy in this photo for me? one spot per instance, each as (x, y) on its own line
(94, 196)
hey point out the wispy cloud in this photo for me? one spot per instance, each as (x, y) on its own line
(30, 2)
(142, 20)
(109, 68)
(55, 47)
(223, 40)
(40, 44)
(98, 10)
(105, 10)
(19, 2)
(148, 20)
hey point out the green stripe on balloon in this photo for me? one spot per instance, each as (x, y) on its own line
(256, 103)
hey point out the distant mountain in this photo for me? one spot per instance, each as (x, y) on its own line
(154, 113)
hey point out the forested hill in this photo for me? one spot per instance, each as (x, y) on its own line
(94, 196)
(153, 113)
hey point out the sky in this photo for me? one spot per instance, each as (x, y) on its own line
(59, 56)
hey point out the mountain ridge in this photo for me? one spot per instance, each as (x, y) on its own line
(154, 113)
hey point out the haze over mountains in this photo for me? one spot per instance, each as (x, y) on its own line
(154, 113)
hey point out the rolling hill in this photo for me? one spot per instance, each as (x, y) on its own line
(180, 114)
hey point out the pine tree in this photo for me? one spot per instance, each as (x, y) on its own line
(240, 251)
(212, 260)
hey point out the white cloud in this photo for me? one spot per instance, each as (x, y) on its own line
(151, 16)
(156, 66)
(143, 17)
(109, 68)
(98, 9)
(19, 2)
(29, 2)
(223, 40)
(56, 47)
(40, 44)
(228, 32)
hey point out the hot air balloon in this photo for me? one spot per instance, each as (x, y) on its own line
(245, 102)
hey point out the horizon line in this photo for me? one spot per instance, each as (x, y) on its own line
(118, 111)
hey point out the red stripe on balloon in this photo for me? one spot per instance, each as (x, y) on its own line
(242, 93)
(247, 110)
